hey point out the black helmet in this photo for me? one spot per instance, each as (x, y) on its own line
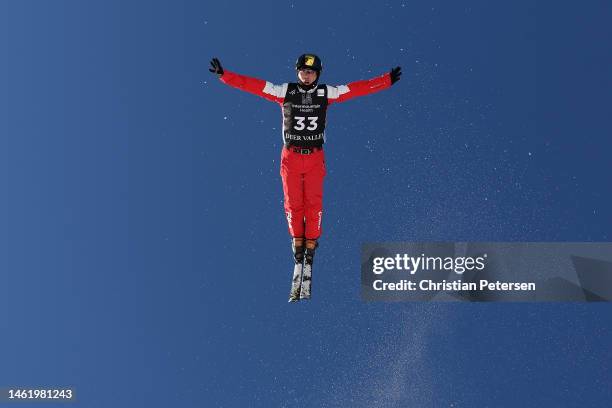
(309, 61)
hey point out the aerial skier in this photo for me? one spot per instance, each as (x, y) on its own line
(304, 106)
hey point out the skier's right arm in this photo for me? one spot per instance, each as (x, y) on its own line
(265, 89)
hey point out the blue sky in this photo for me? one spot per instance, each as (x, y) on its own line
(144, 255)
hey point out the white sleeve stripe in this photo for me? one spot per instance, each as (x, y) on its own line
(334, 92)
(275, 90)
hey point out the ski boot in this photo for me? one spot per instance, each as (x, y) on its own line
(298, 256)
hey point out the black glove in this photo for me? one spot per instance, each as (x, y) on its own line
(395, 74)
(216, 67)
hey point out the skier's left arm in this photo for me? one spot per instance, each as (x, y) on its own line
(361, 88)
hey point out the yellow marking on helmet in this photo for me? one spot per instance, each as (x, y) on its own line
(310, 59)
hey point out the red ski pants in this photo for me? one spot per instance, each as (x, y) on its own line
(302, 176)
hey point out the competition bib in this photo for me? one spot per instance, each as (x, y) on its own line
(304, 115)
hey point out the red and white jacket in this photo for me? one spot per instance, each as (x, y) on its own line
(304, 111)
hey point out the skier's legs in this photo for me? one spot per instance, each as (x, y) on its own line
(313, 194)
(293, 185)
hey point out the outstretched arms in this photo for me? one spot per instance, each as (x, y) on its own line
(276, 93)
(267, 90)
(361, 88)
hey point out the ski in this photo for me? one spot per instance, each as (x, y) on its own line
(306, 281)
(296, 282)
(301, 281)
(307, 273)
